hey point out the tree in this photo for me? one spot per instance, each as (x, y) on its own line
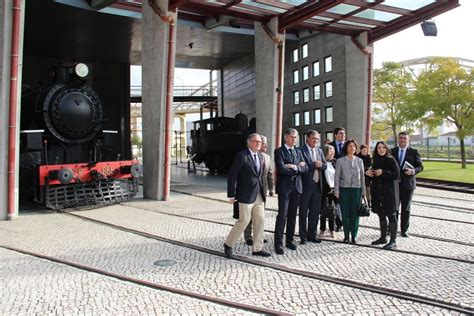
(392, 91)
(445, 93)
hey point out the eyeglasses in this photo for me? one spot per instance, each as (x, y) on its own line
(256, 141)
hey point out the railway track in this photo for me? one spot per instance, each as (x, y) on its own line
(275, 266)
(365, 226)
(153, 285)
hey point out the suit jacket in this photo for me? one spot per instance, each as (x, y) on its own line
(307, 178)
(243, 181)
(287, 176)
(413, 157)
(267, 174)
(337, 154)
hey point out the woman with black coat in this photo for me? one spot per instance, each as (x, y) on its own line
(385, 173)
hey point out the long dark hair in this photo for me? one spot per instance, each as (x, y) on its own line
(376, 158)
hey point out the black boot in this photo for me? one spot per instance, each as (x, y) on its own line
(383, 231)
(393, 236)
(391, 245)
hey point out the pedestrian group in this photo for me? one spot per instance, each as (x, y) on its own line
(323, 185)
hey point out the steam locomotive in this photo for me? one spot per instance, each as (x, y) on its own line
(66, 158)
(217, 140)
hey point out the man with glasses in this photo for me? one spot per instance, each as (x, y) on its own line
(244, 184)
(410, 164)
(310, 203)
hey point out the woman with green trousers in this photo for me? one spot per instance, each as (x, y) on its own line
(349, 188)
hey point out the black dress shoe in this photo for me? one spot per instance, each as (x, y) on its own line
(265, 241)
(354, 241)
(380, 241)
(391, 245)
(404, 234)
(303, 241)
(228, 251)
(249, 242)
(261, 253)
(291, 246)
(346, 240)
(316, 240)
(279, 250)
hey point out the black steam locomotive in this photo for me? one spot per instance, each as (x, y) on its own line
(66, 158)
(216, 141)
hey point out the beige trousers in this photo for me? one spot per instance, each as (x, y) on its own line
(247, 212)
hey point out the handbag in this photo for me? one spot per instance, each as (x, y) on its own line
(328, 209)
(364, 209)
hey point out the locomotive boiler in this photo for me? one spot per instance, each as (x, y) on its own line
(66, 158)
(217, 140)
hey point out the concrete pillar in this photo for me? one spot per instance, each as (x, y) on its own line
(154, 73)
(5, 49)
(266, 76)
(357, 84)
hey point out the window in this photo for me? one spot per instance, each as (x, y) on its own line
(295, 55)
(306, 118)
(328, 89)
(317, 92)
(296, 97)
(317, 116)
(328, 114)
(329, 135)
(316, 69)
(296, 119)
(305, 73)
(305, 95)
(296, 77)
(304, 51)
(328, 64)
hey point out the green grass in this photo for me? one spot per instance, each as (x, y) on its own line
(448, 171)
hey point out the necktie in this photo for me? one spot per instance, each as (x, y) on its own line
(316, 171)
(257, 162)
(313, 155)
(291, 154)
(340, 148)
(401, 156)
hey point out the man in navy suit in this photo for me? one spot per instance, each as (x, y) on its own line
(244, 184)
(338, 142)
(310, 202)
(290, 165)
(403, 153)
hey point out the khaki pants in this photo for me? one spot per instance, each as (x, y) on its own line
(247, 212)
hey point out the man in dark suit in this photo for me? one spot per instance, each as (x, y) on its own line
(290, 165)
(244, 184)
(267, 182)
(338, 142)
(310, 202)
(410, 164)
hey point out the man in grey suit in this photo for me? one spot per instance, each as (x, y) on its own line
(267, 181)
(310, 202)
(244, 184)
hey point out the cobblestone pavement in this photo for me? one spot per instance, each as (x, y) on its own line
(33, 285)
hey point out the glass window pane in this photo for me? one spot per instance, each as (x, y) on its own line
(329, 135)
(408, 4)
(305, 73)
(317, 116)
(317, 92)
(296, 77)
(316, 69)
(305, 95)
(377, 15)
(306, 119)
(328, 89)
(295, 55)
(343, 9)
(328, 114)
(304, 51)
(296, 119)
(328, 64)
(296, 97)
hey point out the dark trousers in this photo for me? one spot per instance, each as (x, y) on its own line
(405, 201)
(323, 223)
(310, 206)
(391, 225)
(287, 206)
(350, 201)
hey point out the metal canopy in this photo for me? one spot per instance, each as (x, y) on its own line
(347, 17)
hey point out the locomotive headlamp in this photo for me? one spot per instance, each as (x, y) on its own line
(81, 70)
